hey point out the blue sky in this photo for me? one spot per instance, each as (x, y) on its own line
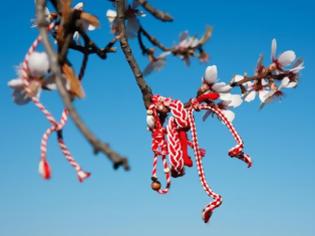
(275, 197)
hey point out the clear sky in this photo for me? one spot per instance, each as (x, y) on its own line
(275, 197)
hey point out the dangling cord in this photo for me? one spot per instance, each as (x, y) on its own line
(82, 175)
(159, 147)
(25, 70)
(236, 151)
(156, 185)
(217, 199)
(44, 168)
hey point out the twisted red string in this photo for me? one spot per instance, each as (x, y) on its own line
(44, 168)
(217, 199)
(159, 147)
(181, 121)
(237, 150)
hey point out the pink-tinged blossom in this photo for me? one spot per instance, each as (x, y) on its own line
(38, 66)
(187, 46)
(186, 41)
(289, 77)
(253, 89)
(276, 92)
(156, 64)
(285, 59)
(20, 95)
(228, 100)
(223, 89)
(131, 17)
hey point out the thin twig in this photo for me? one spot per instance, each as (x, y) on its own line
(97, 145)
(163, 16)
(83, 65)
(143, 86)
(153, 40)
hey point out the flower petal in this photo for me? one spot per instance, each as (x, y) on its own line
(16, 83)
(262, 94)
(221, 87)
(236, 100)
(194, 42)
(267, 99)
(79, 6)
(150, 121)
(111, 15)
(292, 84)
(211, 74)
(228, 114)
(153, 66)
(225, 97)
(259, 63)
(298, 66)
(250, 96)
(90, 27)
(237, 78)
(183, 36)
(164, 54)
(284, 83)
(38, 64)
(20, 96)
(273, 49)
(286, 58)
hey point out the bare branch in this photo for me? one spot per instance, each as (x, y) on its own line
(143, 86)
(153, 40)
(97, 145)
(162, 16)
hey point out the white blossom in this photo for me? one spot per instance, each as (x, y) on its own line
(38, 64)
(156, 64)
(132, 22)
(285, 59)
(186, 41)
(211, 74)
(223, 89)
(20, 95)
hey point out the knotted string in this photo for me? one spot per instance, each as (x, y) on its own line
(181, 121)
(159, 147)
(44, 168)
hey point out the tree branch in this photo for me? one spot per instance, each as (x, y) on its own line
(98, 145)
(143, 86)
(153, 40)
(162, 16)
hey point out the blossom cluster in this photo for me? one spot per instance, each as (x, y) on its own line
(37, 77)
(268, 82)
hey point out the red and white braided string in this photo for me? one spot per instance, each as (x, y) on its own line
(237, 150)
(159, 147)
(174, 147)
(44, 167)
(183, 118)
(217, 199)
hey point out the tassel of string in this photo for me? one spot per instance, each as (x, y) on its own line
(44, 167)
(217, 199)
(237, 150)
(82, 175)
(159, 147)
